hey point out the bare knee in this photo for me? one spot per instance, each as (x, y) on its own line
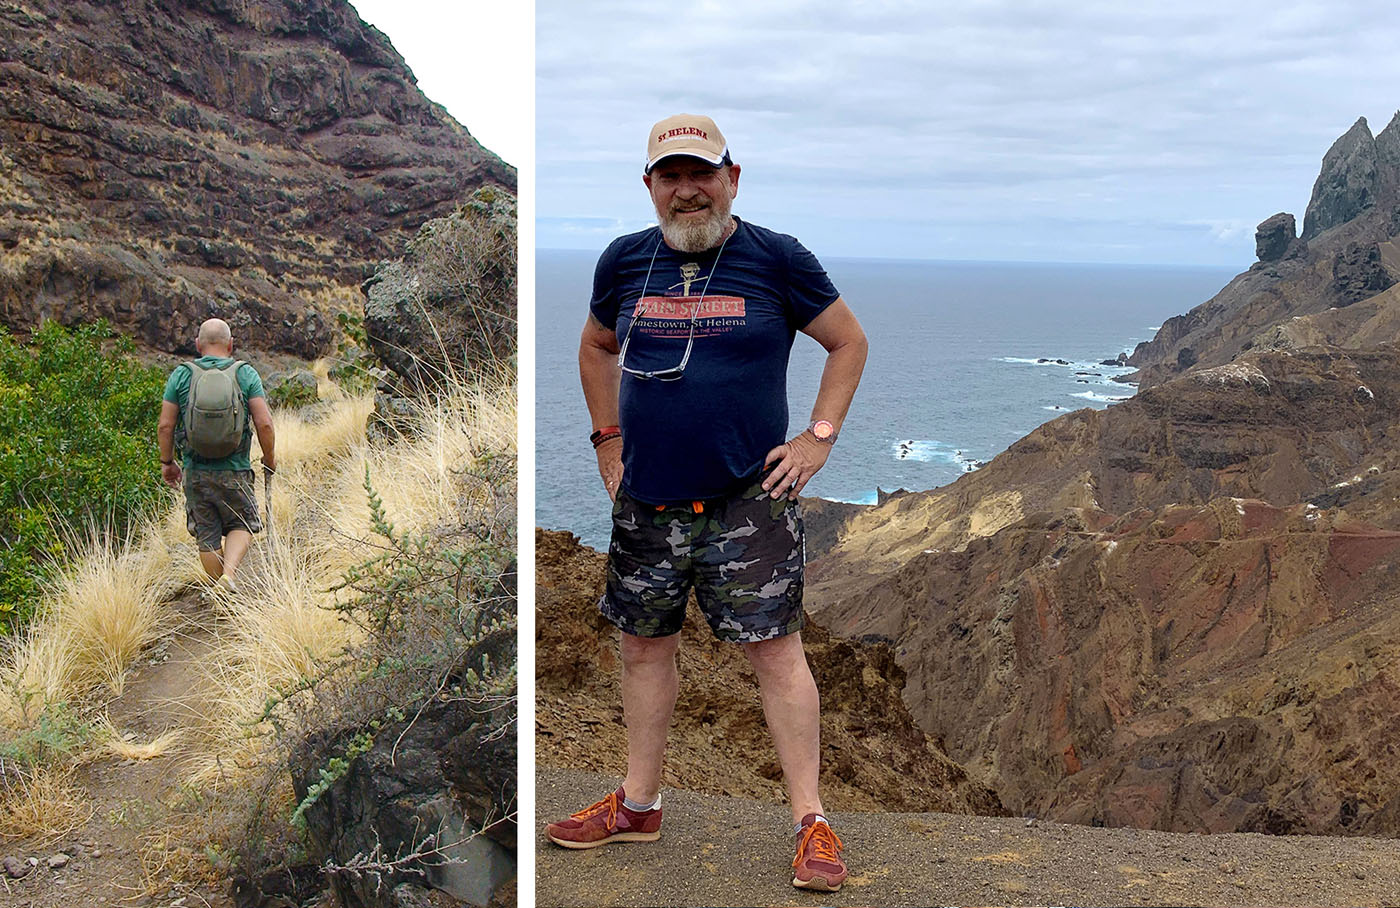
(779, 657)
(640, 651)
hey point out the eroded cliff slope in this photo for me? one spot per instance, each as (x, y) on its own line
(1180, 612)
(164, 160)
(874, 756)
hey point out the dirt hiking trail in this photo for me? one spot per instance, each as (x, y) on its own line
(722, 851)
(118, 855)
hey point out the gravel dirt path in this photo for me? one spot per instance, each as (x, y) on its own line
(722, 851)
(115, 858)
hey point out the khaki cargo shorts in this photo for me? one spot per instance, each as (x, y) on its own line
(217, 501)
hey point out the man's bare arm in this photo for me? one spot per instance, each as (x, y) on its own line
(799, 459)
(170, 471)
(598, 371)
(262, 424)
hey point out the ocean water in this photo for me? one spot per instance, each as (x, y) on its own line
(965, 358)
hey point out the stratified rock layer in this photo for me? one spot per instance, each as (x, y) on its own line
(166, 160)
(1180, 612)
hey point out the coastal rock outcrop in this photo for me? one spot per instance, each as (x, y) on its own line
(1274, 236)
(448, 307)
(1347, 185)
(1345, 254)
(1358, 273)
(165, 160)
(1180, 612)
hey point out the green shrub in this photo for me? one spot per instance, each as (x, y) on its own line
(291, 395)
(55, 737)
(77, 443)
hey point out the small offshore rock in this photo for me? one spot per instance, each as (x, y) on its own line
(15, 868)
(59, 860)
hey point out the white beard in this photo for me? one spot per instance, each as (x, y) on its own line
(688, 236)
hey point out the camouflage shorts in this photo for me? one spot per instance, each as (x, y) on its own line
(217, 501)
(742, 554)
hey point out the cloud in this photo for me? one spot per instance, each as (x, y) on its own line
(899, 112)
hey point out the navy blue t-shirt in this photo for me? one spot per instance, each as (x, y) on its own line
(705, 434)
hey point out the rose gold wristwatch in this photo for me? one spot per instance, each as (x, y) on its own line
(824, 431)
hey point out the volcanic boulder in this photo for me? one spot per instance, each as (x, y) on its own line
(1274, 236)
(448, 307)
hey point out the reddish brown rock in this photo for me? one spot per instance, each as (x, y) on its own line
(1142, 615)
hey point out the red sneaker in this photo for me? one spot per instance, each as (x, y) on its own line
(818, 864)
(609, 820)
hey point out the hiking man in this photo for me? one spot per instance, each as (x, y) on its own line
(214, 404)
(683, 361)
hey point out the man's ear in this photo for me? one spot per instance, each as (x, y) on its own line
(646, 178)
(733, 180)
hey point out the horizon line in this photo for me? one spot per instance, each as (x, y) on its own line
(965, 261)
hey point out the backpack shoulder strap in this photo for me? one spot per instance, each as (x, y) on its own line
(237, 386)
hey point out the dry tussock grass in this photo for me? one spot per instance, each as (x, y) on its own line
(280, 630)
(269, 638)
(41, 803)
(110, 741)
(96, 617)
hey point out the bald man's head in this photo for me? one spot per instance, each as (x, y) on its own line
(214, 338)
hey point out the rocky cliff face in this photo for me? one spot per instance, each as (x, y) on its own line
(166, 160)
(1347, 252)
(1180, 612)
(874, 756)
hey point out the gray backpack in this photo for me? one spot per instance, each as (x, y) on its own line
(216, 415)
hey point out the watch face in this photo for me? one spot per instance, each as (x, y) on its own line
(822, 429)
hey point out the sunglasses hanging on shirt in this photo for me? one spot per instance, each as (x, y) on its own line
(677, 371)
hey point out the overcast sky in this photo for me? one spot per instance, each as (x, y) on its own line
(473, 57)
(996, 130)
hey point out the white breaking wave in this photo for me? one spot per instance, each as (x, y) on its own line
(932, 451)
(1101, 398)
(871, 497)
(1062, 363)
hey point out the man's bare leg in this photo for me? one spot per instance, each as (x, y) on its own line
(649, 686)
(235, 547)
(792, 707)
(213, 563)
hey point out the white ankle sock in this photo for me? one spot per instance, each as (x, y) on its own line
(633, 805)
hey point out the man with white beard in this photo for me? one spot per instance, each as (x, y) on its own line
(683, 361)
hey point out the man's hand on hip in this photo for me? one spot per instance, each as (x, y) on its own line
(797, 462)
(609, 455)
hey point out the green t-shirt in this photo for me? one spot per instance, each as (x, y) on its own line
(177, 391)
